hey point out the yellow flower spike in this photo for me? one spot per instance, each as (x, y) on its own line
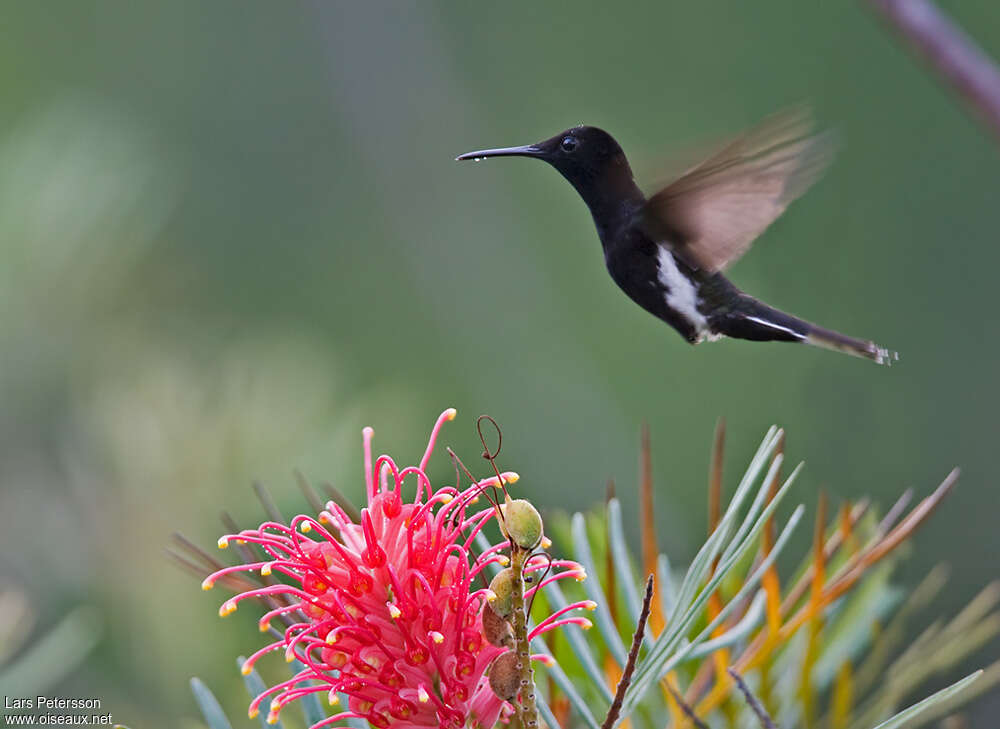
(289, 655)
(422, 696)
(223, 542)
(394, 611)
(491, 596)
(265, 570)
(227, 608)
(546, 660)
(586, 625)
(580, 575)
(546, 542)
(306, 527)
(207, 584)
(474, 500)
(450, 413)
(503, 560)
(323, 518)
(246, 669)
(241, 542)
(437, 637)
(446, 498)
(275, 705)
(253, 712)
(511, 477)
(331, 638)
(332, 698)
(590, 605)
(272, 718)
(264, 625)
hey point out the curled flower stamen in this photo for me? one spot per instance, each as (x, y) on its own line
(366, 439)
(384, 464)
(444, 417)
(385, 614)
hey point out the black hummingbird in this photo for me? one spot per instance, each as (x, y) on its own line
(667, 251)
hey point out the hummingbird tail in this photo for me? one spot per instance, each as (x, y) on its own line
(757, 321)
(827, 339)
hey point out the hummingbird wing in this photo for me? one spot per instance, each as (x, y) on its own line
(713, 212)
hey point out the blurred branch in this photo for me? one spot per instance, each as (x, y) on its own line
(950, 51)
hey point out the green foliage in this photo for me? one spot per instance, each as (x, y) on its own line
(850, 643)
(32, 662)
(209, 705)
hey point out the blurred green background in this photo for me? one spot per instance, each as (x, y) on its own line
(232, 234)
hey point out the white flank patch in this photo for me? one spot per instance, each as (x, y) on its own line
(681, 293)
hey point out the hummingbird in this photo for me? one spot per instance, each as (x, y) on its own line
(668, 251)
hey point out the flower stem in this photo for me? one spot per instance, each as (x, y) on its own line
(526, 708)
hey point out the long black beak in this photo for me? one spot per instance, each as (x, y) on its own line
(528, 150)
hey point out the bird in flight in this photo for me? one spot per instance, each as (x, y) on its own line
(667, 252)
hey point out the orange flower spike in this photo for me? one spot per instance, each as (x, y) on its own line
(856, 568)
(893, 539)
(815, 615)
(648, 528)
(847, 577)
(834, 543)
(763, 644)
(771, 582)
(847, 529)
(842, 701)
(819, 556)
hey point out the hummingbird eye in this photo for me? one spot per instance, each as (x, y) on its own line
(568, 144)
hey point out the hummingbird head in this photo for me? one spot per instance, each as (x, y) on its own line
(588, 157)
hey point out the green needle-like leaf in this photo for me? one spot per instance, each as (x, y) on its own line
(255, 687)
(592, 585)
(311, 705)
(900, 719)
(566, 684)
(578, 644)
(619, 553)
(209, 705)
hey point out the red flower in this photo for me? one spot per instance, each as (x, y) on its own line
(388, 611)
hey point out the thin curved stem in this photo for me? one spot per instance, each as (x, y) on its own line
(950, 51)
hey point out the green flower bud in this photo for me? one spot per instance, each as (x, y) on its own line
(496, 629)
(505, 676)
(503, 590)
(522, 523)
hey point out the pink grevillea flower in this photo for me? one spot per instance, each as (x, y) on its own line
(388, 611)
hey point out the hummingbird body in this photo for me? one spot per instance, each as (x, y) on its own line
(666, 252)
(699, 305)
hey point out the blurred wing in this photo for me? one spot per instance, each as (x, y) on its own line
(713, 212)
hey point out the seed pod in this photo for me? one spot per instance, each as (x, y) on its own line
(505, 677)
(522, 523)
(503, 588)
(496, 629)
